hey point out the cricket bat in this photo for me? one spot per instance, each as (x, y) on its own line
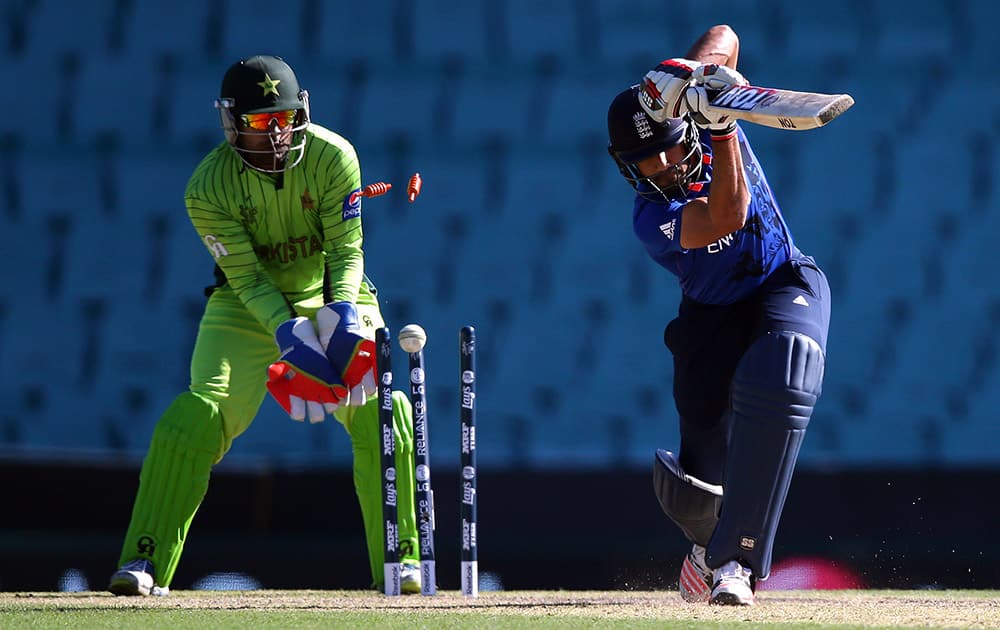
(782, 109)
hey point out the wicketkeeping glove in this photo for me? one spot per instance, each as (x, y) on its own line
(351, 354)
(662, 90)
(302, 380)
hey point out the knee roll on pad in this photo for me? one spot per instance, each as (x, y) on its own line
(774, 390)
(691, 504)
(780, 376)
(194, 423)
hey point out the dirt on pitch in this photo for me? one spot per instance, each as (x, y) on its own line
(973, 609)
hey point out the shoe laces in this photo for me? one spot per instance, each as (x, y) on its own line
(733, 570)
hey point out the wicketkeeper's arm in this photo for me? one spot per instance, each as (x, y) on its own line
(340, 217)
(230, 245)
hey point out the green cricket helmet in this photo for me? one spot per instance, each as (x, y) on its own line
(252, 89)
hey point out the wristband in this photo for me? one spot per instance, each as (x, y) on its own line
(723, 134)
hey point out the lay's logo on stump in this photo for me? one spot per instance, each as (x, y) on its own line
(352, 205)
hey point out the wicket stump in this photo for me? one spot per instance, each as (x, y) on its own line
(383, 361)
(467, 384)
(423, 494)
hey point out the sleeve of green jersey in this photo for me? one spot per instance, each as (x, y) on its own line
(342, 234)
(228, 242)
(238, 260)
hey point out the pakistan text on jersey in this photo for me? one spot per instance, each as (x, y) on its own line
(288, 251)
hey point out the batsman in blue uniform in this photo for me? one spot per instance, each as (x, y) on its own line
(749, 340)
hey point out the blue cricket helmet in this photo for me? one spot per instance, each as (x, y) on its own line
(634, 136)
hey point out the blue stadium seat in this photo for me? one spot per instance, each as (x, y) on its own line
(638, 38)
(115, 251)
(393, 103)
(576, 103)
(145, 346)
(34, 76)
(43, 355)
(446, 28)
(523, 228)
(814, 32)
(922, 29)
(55, 26)
(544, 27)
(191, 118)
(414, 251)
(376, 30)
(973, 441)
(33, 254)
(106, 100)
(266, 29)
(182, 27)
(497, 103)
(59, 181)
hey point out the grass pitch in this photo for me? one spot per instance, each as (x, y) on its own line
(247, 610)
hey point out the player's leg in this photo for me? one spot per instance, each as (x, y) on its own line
(704, 341)
(186, 442)
(227, 386)
(362, 425)
(774, 390)
(693, 506)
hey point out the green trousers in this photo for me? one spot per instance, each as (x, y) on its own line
(228, 385)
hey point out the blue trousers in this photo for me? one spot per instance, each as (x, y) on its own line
(708, 340)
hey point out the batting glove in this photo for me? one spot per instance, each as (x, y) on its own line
(699, 102)
(715, 77)
(662, 90)
(351, 354)
(709, 81)
(301, 380)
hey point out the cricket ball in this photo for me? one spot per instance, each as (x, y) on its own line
(412, 338)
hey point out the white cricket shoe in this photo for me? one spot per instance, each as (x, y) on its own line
(136, 578)
(695, 582)
(733, 585)
(409, 578)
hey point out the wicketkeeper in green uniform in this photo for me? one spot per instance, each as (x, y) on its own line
(278, 205)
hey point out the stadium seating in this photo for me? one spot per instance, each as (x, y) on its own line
(523, 228)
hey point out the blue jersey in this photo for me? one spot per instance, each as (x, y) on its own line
(731, 268)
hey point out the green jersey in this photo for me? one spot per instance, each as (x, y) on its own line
(288, 240)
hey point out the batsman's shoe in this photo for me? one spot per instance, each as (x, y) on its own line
(695, 582)
(734, 585)
(409, 578)
(136, 578)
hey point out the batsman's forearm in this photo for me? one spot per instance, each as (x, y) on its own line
(729, 196)
(719, 45)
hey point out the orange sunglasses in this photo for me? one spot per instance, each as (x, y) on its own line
(262, 122)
